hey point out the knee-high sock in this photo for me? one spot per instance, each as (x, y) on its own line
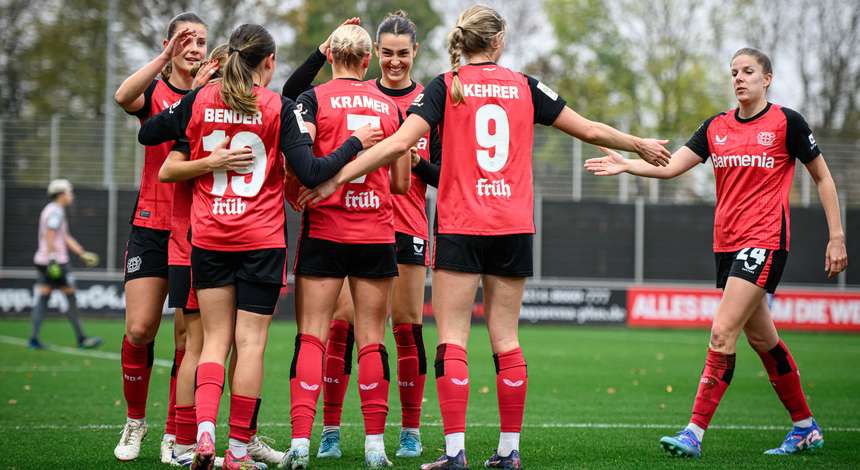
(208, 390)
(170, 425)
(72, 315)
(411, 371)
(785, 378)
(511, 385)
(716, 377)
(338, 367)
(243, 417)
(136, 370)
(306, 374)
(38, 314)
(373, 380)
(186, 425)
(452, 385)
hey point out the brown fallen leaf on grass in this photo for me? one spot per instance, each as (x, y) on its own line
(668, 389)
(484, 389)
(611, 390)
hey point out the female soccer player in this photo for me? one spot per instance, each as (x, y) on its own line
(349, 234)
(485, 211)
(237, 223)
(753, 149)
(52, 263)
(145, 94)
(396, 46)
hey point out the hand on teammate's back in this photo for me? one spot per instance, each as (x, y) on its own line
(836, 257)
(221, 158)
(309, 197)
(369, 136)
(654, 151)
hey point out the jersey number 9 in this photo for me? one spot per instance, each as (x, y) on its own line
(500, 140)
(239, 184)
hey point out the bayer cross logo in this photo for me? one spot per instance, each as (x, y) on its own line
(133, 265)
(766, 138)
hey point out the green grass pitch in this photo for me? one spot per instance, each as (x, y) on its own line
(598, 398)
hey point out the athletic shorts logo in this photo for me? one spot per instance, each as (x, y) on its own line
(133, 265)
(368, 386)
(511, 383)
(459, 382)
(306, 386)
(720, 140)
(418, 245)
(766, 138)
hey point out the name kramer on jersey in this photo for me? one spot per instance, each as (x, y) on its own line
(360, 101)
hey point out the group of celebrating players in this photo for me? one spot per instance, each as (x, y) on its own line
(224, 154)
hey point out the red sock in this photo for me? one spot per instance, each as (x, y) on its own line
(306, 374)
(411, 371)
(373, 380)
(338, 367)
(186, 425)
(452, 385)
(170, 426)
(785, 378)
(716, 377)
(136, 369)
(243, 417)
(511, 384)
(207, 393)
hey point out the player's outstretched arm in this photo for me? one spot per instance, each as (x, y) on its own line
(129, 95)
(613, 163)
(652, 151)
(836, 256)
(394, 147)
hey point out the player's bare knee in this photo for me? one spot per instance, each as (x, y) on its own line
(140, 333)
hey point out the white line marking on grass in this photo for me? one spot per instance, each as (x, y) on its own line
(111, 356)
(264, 425)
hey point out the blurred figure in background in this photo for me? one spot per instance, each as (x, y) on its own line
(52, 262)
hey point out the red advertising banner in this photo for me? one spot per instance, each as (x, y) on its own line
(676, 307)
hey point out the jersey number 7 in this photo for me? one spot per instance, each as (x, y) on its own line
(355, 122)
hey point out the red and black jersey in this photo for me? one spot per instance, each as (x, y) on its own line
(486, 185)
(359, 212)
(753, 162)
(153, 207)
(179, 246)
(410, 212)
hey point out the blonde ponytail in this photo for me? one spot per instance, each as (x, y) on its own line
(477, 29)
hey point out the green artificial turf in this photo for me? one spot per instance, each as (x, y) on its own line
(597, 398)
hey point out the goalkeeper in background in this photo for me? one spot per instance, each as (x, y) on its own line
(52, 262)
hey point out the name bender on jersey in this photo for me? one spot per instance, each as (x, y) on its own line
(228, 116)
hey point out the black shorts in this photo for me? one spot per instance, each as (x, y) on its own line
(258, 275)
(760, 266)
(411, 250)
(499, 255)
(146, 253)
(324, 258)
(64, 280)
(180, 293)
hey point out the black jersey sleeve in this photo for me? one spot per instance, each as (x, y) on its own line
(181, 145)
(302, 78)
(428, 172)
(297, 146)
(798, 137)
(170, 123)
(430, 104)
(698, 142)
(546, 102)
(307, 104)
(435, 146)
(143, 112)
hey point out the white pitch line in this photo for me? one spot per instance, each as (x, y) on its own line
(111, 356)
(584, 425)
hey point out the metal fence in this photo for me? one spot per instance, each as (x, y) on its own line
(33, 152)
